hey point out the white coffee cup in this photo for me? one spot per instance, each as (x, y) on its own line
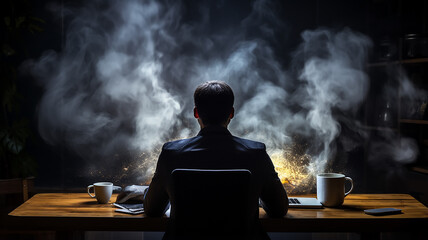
(331, 188)
(102, 191)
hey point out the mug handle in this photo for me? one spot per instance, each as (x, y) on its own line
(352, 185)
(117, 188)
(89, 188)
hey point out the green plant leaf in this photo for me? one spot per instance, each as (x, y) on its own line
(3, 133)
(21, 130)
(19, 20)
(7, 50)
(14, 138)
(9, 98)
(7, 21)
(34, 28)
(11, 144)
(36, 19)
(23, 165)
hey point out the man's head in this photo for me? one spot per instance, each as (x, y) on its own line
(214, 103)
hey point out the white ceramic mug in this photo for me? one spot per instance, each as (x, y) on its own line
(102, 191)
(331, 188)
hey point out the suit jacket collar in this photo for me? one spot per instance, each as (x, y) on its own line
(214, 130)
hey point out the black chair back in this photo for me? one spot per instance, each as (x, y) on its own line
(212, 204)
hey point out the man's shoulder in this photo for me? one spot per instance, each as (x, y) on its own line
(184, 144)
(178, 144)
(250, 144)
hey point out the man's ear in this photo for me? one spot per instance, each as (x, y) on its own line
(195, 112)
(232, 113)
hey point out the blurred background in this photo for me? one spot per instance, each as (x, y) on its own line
(92, 89)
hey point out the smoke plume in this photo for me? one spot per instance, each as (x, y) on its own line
(126, 75)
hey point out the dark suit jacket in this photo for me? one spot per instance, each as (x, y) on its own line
(215, 148)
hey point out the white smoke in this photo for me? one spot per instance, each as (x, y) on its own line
(333, 77)
(390, 149)
(126, 76)
(104, 89)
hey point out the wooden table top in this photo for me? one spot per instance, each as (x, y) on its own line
(77, 211)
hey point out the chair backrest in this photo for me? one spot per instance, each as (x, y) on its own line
(212, 203)
(17, 186)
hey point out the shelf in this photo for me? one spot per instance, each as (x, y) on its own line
(414, 121)
(415, 60)
(423, 170)
(382, 64)
(405, 61)
(377, 128)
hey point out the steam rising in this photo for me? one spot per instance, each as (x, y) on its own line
(334, 78)
(126, 76)
(392, 149)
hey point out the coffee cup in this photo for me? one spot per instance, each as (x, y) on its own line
(102, 191)
(331, 188)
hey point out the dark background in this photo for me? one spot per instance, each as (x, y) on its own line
(58, 168)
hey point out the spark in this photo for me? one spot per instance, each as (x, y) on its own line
(291, 166)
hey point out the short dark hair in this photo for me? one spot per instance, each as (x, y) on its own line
(214, 102)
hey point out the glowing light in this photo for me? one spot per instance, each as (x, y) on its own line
(292, 170)
(291, 164)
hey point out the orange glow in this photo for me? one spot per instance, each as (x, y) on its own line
(292, 170)
(291, 164)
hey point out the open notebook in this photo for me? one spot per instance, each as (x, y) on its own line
(303, 202)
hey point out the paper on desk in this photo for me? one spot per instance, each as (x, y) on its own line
(129, 208)
(135, 209)
(121, 210)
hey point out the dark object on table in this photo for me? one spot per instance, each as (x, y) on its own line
(382, 211)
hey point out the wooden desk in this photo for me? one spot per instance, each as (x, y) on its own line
(79, 212)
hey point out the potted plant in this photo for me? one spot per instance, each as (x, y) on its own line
(16, 23)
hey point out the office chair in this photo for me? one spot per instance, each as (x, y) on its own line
(212, 204)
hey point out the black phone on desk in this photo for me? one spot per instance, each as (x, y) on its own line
(382, 211)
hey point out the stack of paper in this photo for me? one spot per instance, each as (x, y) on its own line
(129, 208)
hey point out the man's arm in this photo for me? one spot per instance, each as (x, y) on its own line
(273, 196)
(156, 198)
